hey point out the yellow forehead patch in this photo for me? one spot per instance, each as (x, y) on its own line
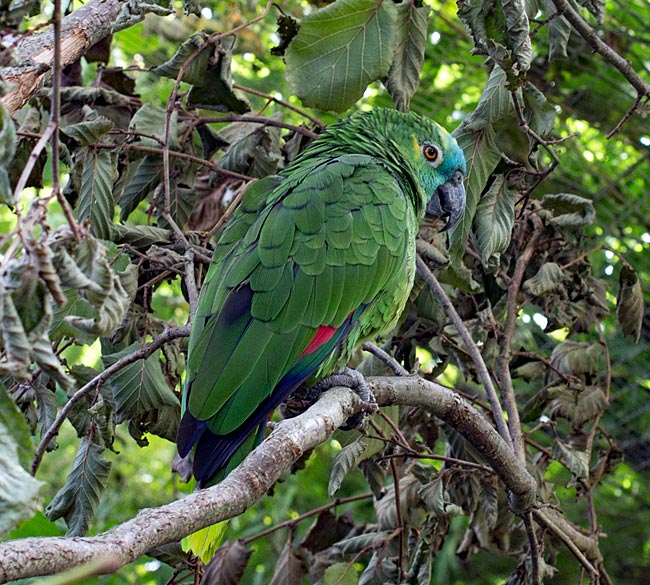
(444, 141)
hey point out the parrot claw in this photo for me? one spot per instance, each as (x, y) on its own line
(357, 383)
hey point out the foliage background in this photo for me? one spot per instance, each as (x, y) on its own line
(588, 97)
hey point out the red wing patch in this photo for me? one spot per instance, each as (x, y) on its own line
(323, 335)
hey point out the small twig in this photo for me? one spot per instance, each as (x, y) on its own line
(262, 120)
(503, 360)
(626, 117)
(474, 351)
(385, 357)
(293, 521)
(280, 102)
(534, 548)
(140, 354)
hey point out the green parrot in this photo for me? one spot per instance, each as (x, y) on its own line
(314, 261)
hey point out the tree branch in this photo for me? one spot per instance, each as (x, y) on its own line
(598, 45)
(80, 30)
(251, 480)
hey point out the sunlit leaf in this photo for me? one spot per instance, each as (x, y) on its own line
(351, 43)
(340, 574)
(90, 130)
(18, 489)
(410, 39)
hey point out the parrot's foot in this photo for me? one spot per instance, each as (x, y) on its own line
(357, 383)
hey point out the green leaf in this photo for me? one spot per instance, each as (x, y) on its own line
(195, 72)
(345, 460)
(340, 574)
(18, 489)
(577, 462)
(214, 91)
(77, 500)
(149, 123)
(482, 156)
(629, 303)
(569, 210)
(549, 278)
(573, 359)
(349, 43)
(13, 425)
(143, 177)
(411, 39)
(517, 31)
(90, 130)
(139, 387)
(140, 235)
(559, 31)
(96, 192)
(495, 216)
(579, 405)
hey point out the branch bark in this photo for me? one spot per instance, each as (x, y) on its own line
(151, 528)
(34, 53)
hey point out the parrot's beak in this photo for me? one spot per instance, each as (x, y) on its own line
(448, 201)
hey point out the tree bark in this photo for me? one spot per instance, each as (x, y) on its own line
(151, 528)
(33, 55)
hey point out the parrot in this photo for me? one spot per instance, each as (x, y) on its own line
(315, 260)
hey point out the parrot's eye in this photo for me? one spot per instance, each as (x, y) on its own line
(432, 154)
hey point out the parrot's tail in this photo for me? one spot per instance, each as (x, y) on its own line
(205, 542)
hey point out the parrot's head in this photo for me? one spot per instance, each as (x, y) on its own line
(440, 167)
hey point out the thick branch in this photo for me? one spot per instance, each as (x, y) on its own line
(34, 53)
(241, 489)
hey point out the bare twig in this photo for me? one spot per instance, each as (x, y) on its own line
(385, 357)
(534, 548)
(474, 351)
(140, 354)
(503, 360)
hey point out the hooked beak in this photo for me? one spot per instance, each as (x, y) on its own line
(448, 201)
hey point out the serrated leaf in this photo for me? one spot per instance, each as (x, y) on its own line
(195, 72)
(214, 91)
(345, 460)
(493, 221)
(476, 136)
(289, 568)
(253, 149)
(549, 278)
(410, 39)
(579, 405)
(143, 178)
(374, 474)
(47, 409)
(340, 574)
(350, 43)
(629, 303)
(577, 462)
(140, 235)
(77, 500)
(96, 191)
(569, 210)
(380, 569)
(76, 306)
(140, 386)
(559, 31)
(149, 124)
(355, 544)
(90, 130)
(228, 564)
(517, 29)
(574, 359)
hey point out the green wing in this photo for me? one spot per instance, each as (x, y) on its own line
(312, 250)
